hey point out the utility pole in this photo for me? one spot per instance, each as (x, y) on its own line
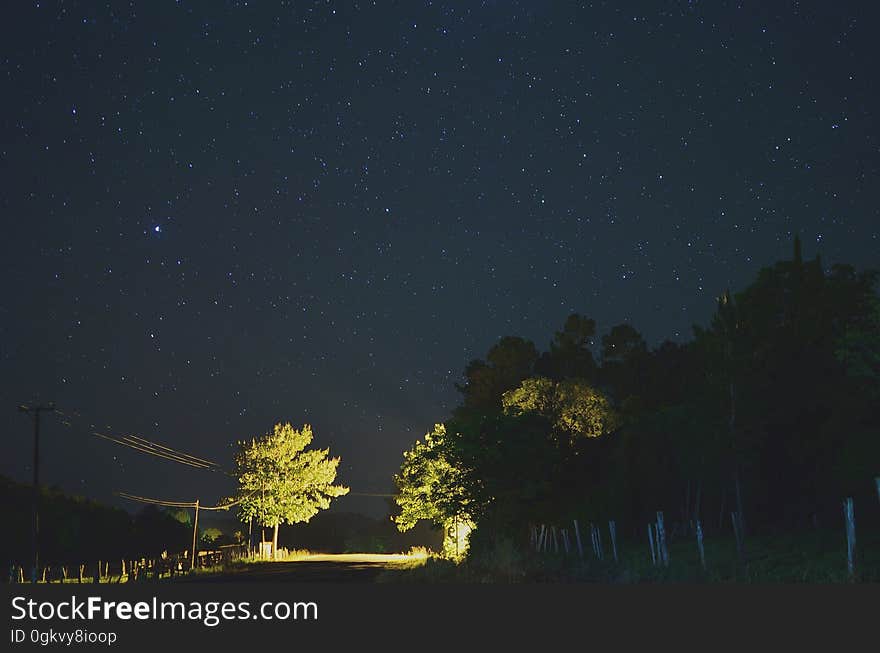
(195, 535)
(35, 532)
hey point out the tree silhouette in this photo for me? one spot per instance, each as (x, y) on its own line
(508, 362)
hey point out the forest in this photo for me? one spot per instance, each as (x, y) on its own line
(767, 417)
(76, 530)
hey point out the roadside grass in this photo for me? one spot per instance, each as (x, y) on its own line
(414, 558)
(814, 557)
(282, 555)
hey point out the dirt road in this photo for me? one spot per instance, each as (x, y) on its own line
(320, 568)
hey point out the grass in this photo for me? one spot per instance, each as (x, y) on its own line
(809, 557)
(112, 579)
(815, 557)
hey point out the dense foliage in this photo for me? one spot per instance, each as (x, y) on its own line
(282, 482)
(771, 409)
(74, 530)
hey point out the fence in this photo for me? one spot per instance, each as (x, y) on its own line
(131, 570)
(693, 543)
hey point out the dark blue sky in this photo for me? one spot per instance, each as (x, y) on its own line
(220, 215)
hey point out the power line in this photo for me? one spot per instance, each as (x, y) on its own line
(169, 449)
(151, 451)
(157, 502)
(143, 445)
(179, 504)
(135, 441)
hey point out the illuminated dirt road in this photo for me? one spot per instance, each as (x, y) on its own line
(319, 568)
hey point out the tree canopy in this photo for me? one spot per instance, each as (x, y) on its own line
(280, 481)
(573, 407)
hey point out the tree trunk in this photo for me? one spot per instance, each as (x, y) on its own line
(275, 542)
(736, 483)
(739, 504)
(685, 514)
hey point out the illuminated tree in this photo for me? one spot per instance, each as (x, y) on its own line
(280, 481)
(431, 488)
(572, 406)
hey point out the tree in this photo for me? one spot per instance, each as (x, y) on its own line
(570, 355)
(508, 362)
(858, 349)
(622, 344)
(430, 487)
(624, 359)
(508, 464)
(211, 537)
(573, 407)
(280, 481)
(155, 531)
(778, 356)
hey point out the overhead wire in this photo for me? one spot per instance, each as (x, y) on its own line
(179, 504)
(151, 451)
(143, 445)
(203, 461)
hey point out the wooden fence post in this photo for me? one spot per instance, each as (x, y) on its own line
(849, 514)
(577, 534)
(661, 539)
(700, 545)
(613, 530)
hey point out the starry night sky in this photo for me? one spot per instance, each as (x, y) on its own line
(220, 215)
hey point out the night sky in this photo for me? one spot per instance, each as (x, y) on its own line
(220, 215)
